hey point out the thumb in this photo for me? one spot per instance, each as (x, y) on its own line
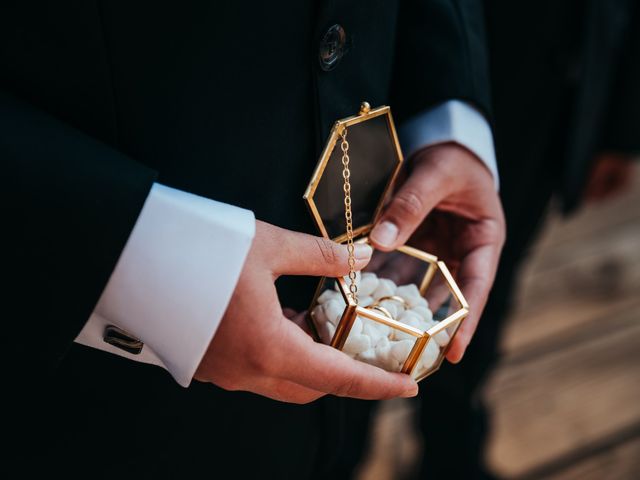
(408, 208)
(302, 254)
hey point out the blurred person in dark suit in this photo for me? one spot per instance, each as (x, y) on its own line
(566, 96)
(565, 80)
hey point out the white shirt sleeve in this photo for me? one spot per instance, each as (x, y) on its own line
(451, 121)
(173, 281)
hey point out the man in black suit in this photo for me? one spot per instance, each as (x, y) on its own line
(118, 122)
(565, 81)
(566, 99)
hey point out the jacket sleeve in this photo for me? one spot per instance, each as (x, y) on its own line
(441, 54)
(72, 203)
(622, 130)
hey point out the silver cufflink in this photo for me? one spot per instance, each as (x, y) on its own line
(123, 340)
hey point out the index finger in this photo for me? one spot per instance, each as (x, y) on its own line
(325, 369)
(475, 278)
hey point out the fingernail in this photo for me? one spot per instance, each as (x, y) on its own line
(412, 392)
(385, 234)
(362, 251)
(457, 358)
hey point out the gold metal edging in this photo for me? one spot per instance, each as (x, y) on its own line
(453, 286)
(335, 133)
(456, 316)
(414, 355)
(344, 327)
(390, 322)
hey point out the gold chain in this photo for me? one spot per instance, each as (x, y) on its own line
(346, 173)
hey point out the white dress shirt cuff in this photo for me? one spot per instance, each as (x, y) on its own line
(451, 121)
(173, 281)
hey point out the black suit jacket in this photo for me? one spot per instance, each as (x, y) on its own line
(228, 100)
(566, 84)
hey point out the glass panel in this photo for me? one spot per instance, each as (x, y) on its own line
(373, 160)
(378, 344)
(390, 283)
(328, 309)
(430, 360)
(397, 266)
(390, 286)
(368, 340)
(442, 304)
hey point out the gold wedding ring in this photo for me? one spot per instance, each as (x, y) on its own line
(393, 298)
(382, 310)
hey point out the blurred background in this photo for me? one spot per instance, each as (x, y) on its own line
(565, 398)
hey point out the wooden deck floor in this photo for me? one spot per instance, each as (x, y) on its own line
(566, 397)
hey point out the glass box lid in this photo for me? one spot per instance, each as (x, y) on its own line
(375, 159)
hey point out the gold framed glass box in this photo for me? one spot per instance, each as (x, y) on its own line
(407, 308)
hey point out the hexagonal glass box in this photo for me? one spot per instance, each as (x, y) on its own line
(408, 307)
